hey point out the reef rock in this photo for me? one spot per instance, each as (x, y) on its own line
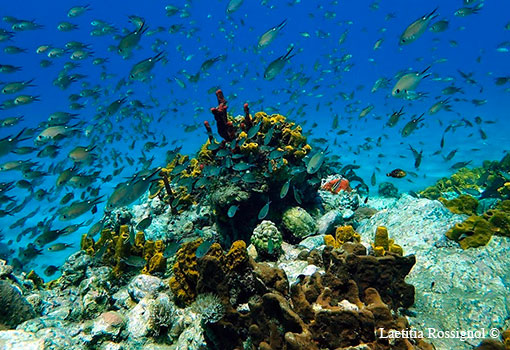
(327, 223)
(15, 308)
(466, 285)
(143, 285)
(298, 222)
(20, 340)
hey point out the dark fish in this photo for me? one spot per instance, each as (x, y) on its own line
(59, 246)
(50, 270)
(134, 261)
(411, 126)
(276, 66)
(373, 180)
(67, 198)
(171, 249)
(144, 223)
(417, 156)
(450, 155)
(397, 173)
(459, 165)
(297, 196)
(241, 166)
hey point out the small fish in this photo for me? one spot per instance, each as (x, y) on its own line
(264, 211)
(460, 165)
(315, 162)
(416, 29)
(171, 249)
(467, 11)
(50, 270)
(439, 26)
(144, 223)
(411, 126)
(232, 211)
(270, 246)
(395, 117)
(285, 189)
(276, 66)
(409, 82)
(417, 156)
(59, 246)
(373, 180)
(450, 155)
(67, 198)
(128, 42)
(134, 261)
(203, 248)
(297, 196)
(397, 173)
(233, 6)
(268, 37)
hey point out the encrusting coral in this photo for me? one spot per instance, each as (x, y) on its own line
(477, 230)
(464, 204)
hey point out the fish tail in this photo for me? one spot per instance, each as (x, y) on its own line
(433, 14)
(286, 57)
(281, 25)
(422, 73)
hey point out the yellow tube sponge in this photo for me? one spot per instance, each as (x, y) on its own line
(381, 238)
(183, 282)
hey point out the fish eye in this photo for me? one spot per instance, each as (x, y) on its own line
(397, 91)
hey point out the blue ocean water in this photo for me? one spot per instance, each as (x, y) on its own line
(332, 73)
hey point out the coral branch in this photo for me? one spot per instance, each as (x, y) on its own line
(248, 123)
(209, 130)
(225, 127)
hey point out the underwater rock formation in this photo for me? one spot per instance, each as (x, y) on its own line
(15, 308)
(298, 223)
(419, 226)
